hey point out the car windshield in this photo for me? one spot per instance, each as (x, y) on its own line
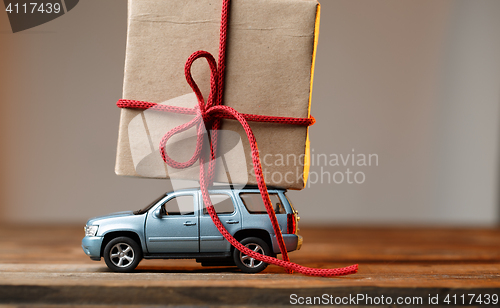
(144, 210)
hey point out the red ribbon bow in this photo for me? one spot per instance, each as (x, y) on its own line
(210, 113)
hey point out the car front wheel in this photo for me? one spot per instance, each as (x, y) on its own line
(248, 264)
(122, 254)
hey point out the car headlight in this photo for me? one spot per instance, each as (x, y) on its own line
(90, 230)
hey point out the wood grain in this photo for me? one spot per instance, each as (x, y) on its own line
(49, 260)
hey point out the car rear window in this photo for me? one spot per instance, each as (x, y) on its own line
(254, 204)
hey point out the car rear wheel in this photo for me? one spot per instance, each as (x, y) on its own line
(122, 254)
(248, 264)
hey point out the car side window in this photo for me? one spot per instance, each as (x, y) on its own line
(222, 203)
(179, 205)
(254, 204)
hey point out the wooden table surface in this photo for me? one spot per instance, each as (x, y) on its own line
(46, 266)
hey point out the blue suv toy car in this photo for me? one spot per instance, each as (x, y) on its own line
(178, 226)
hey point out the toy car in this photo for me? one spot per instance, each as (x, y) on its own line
(178, 226)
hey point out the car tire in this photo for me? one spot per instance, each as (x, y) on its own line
(122, 254)
(247, 264)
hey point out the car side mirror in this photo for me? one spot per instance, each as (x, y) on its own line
(158, 213)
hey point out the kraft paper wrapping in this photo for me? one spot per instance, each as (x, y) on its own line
(270, 63)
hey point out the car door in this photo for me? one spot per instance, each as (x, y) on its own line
(172, 226)
(210, 238)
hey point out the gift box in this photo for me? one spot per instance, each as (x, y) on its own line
(270, 62)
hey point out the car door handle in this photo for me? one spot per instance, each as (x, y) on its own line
(232, 222)
(189, 223)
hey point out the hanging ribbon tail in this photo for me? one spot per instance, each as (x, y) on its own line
(267, 202)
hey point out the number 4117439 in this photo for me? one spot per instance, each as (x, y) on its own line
(34, 7)
(469, 299)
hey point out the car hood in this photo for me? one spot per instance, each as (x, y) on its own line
(95, 220)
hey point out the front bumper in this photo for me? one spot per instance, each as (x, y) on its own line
(91, 245)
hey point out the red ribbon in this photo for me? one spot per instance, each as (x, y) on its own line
(209, 114)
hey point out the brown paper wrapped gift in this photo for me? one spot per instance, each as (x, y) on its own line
(270, 61)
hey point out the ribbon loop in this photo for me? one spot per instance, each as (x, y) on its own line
(201, 111)
(181, 128)
(213, 79)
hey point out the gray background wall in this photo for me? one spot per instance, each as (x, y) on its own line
(415, 82)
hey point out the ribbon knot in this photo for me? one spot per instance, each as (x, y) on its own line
(205, 117)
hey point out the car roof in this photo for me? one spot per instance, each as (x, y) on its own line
(238, 188)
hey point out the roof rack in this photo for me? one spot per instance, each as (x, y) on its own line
(241, 186)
